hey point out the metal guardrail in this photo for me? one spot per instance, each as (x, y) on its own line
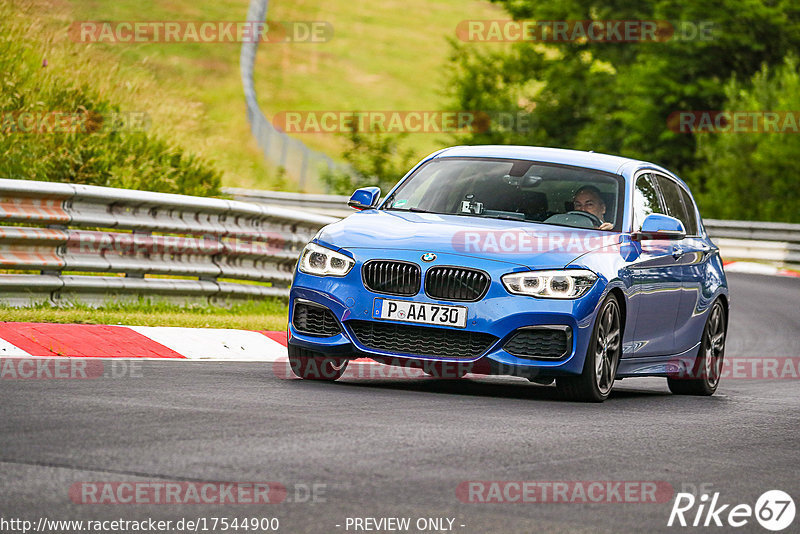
(89, 243)
(753, 231)
(774, 243)
(333, 205)
(298, 161)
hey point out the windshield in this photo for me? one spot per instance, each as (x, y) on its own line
(514, 189)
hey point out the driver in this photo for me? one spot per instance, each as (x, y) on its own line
(588, 199)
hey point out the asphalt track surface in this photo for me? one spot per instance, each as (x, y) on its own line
(400, 448)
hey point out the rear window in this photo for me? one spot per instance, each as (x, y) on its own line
(645, 200)
(676, 207)
(692, 228)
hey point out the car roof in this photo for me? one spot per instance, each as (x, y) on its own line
(589, 160)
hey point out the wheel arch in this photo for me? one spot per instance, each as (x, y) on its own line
(623, 307)
(723, 298)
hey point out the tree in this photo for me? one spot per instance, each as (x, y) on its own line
(753, 175)
(374, 159)
(616, 96)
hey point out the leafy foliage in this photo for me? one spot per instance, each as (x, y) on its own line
(98, 154)
(374, 159)
(754, 176)
(616, 97)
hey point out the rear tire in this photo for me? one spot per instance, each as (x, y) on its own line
(310, 365)
(704, 377)
(602, 358)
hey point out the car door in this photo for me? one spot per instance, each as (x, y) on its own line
(692, 253)
(655, 278)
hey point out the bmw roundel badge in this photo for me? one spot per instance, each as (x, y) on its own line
(428, 256)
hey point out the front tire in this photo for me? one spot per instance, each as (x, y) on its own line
(602, 358)
(310, 365)
(704, 377)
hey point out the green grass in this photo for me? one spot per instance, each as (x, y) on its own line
(41, 75)
(386, 55)
(268, 314)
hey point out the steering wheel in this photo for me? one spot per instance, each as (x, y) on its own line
(596, 222)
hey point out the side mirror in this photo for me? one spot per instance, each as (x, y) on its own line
(365, 198)
(659, 226)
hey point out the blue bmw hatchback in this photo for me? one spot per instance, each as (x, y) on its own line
(548, 264)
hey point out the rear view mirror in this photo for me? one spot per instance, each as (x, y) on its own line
(528, 180)
(659, 226)
(365, 198)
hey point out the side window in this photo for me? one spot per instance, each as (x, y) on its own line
(645, 200)
(691, 221)
(674, 203)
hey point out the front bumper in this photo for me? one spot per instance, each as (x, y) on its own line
(498, 313)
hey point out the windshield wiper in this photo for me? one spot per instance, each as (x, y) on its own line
(482, 216)
(415, 210)
(505, 218)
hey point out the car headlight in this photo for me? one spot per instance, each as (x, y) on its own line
(323, 261)
(566, 284)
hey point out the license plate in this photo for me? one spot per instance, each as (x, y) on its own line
(420, 312)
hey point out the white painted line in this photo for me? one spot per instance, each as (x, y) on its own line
(7, 350)
(750, 268)
(215, 343)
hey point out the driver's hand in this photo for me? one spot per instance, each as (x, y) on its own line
(605, 226)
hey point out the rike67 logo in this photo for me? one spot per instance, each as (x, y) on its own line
(774, 510)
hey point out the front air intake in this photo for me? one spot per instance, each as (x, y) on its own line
(456, 283)
(314, 320)
(540, 342)
(391, 277)
(421, 340)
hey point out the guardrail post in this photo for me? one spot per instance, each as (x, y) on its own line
(215, 258)
(135, 233)
(61, 251)
(303, 167)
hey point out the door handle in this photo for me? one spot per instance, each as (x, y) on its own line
(677, 253)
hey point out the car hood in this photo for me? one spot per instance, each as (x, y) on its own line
(533, 245)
